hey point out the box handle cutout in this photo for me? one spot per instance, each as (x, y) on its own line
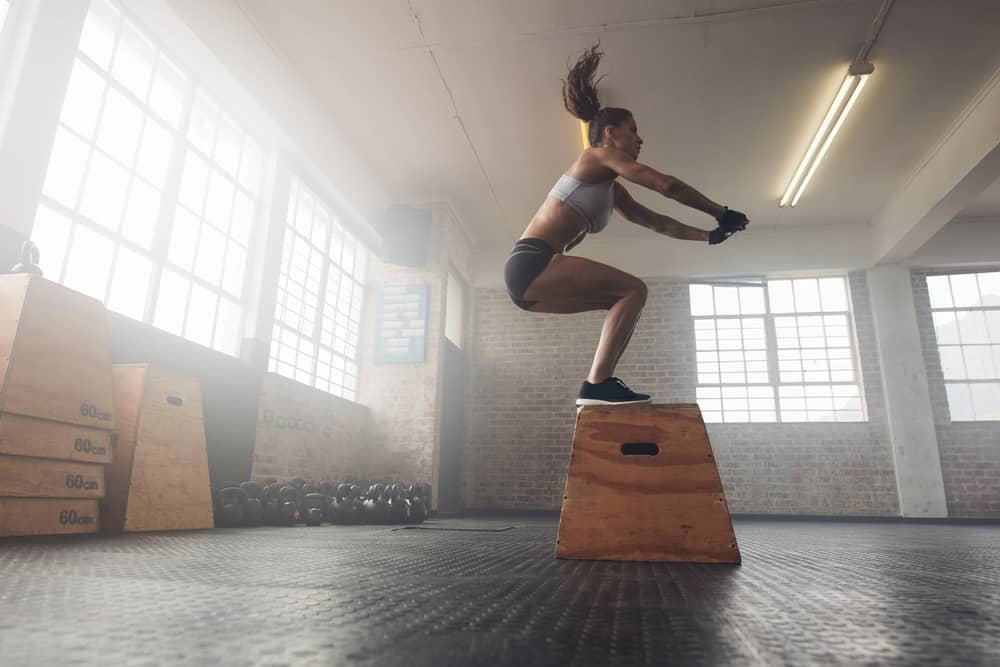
(175, 400)
(640, 449)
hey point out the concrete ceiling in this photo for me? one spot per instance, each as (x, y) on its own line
(459, 100)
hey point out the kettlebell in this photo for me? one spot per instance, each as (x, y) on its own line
(29, 260)
(398, 506)
(418, 507)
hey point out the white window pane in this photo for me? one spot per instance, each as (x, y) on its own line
(965, 290)
(361, 264)
(204, 118)
(752, 300)
(952, 363)
(169, 88)
(201, 315)
(104, 192)
(171, 302)
(832, 294)
(779, 294)
(183, 238)
(89, 264)
(989, 288)
(986, 400)
(219, 204)
(83, 99)
(727, 301)
(141, 214)
(67, 163)
(120, 128)
(701, 300)
(243, 218)
(939, 291)
(133, 64)
(806, 295)
(979, 362)
(51, 234)
(993, 325)
(972, 327)
(98, 37)
(251, 165)
(154, 152)
(227, 328)
(232, 276)
(959, 402)
(211, 250)
(130, 284)
(194, 182)
(227, 146)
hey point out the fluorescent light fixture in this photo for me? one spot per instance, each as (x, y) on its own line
(584, 127)
(856, 78)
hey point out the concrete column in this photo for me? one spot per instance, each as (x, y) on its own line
(46, 35)
(904, 376)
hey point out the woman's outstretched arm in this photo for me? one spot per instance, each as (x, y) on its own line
(635, 212)
(628, 168)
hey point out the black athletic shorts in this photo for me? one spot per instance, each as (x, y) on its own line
(528, 259)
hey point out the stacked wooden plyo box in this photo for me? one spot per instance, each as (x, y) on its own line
(159, 477)
(56, 407)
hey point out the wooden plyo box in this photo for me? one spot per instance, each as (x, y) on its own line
(158, 478)
(643, 486)
(47, 516)
(27, 436)
(55, 361)
(25, 477)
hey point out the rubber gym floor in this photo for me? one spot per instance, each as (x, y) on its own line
(487, 591)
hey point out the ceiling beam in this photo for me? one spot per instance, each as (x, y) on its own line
(963, 164)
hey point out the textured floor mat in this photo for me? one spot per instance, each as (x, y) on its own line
(807, 593)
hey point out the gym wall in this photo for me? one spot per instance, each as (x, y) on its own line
(970, 451)
(527, 368)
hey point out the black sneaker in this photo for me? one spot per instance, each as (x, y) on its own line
(610, 392)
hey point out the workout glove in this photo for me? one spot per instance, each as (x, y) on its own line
(732, 221)
(717, 236)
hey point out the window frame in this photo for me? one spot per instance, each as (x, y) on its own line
(157, 255)
(338, 227)
(931, 309)
(772, 349)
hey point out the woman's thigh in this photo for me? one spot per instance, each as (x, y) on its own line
(577, 284)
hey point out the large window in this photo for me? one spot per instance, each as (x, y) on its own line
(966, 312)
(776, 351)
(150, 197)
(320, 297)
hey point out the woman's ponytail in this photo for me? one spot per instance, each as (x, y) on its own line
(580, 89)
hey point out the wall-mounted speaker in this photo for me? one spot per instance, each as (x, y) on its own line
(406, 235)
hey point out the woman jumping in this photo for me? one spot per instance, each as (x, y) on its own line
(542, 279)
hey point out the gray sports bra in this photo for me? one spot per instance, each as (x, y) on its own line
(593, 201)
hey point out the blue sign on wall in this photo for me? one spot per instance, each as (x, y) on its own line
(401, 324)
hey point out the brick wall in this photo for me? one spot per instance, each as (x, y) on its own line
(309, 434)
(970, 451)
(527, 368)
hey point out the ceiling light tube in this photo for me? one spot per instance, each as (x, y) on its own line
(849, 91)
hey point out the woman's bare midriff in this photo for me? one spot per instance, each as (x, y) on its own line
(557, 224)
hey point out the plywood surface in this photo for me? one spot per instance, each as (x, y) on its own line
(160, 479)
(664, 507)
(27, 436)
(21, 476)
(58, 358)
(47, 516)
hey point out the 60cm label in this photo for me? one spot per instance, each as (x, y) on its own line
(71, 518)
(78, 482)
